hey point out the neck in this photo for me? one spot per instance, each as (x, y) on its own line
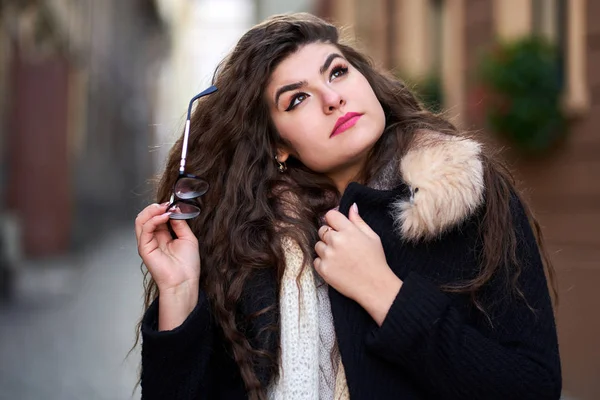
(349, 173)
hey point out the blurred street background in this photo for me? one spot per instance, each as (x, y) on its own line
(94, 92)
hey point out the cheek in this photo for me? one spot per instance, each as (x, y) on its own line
(301, 131)
(373, 104)
(306, 138)
(288, 131)
(369, 94)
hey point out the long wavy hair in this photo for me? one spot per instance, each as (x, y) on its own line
(249, 209)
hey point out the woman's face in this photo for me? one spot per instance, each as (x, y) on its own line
(325, 109)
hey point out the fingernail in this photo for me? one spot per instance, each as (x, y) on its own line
(165, 204)
(167, 213)
(355, 208)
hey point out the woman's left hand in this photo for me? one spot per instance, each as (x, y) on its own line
(352, 261)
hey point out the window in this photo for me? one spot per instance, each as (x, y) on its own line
(548, 20)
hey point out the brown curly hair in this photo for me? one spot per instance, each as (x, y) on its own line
(248, 211)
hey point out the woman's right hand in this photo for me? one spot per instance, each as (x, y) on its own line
(173, 263)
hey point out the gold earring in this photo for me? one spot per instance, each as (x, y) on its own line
(282, 167)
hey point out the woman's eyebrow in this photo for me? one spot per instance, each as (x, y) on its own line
(288, 88)
(328, 62)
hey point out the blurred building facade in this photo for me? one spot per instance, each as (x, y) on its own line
(74, 116)
(266, 8)
(444, 38)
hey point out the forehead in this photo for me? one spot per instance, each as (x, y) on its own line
(302, 64)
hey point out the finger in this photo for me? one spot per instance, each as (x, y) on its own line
(320, 249)
(321, 268)
(163, 236)
(328, 235)
(323, 232)
(357, 220)
(182, 230)
(147, 236)
(318, 263)
(337, 220)
(149, 212)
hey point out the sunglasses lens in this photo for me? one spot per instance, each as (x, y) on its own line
(181, 210)
(190, 188)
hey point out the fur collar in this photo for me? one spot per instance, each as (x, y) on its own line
(445, 176)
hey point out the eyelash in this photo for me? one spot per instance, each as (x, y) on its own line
(337, 68)
(340, 68)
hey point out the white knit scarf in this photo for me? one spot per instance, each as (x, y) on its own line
(310, 365)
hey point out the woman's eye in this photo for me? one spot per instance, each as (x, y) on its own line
(297, 99)
(338, 71)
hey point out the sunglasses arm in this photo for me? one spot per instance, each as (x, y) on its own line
(186, 135)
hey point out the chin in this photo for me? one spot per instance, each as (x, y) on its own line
(366, 139)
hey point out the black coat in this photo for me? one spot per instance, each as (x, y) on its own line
(432, 344)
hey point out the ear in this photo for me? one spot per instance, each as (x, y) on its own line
(282, 154)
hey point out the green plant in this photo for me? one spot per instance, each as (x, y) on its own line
(523, 85)
(430, 92)
(427, 88)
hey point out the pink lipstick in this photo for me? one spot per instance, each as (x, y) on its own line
(345, 122)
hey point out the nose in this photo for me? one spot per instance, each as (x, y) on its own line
(332, 100)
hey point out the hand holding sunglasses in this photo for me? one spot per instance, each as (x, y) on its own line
(170, 250)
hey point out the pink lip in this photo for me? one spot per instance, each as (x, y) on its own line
(345, 122)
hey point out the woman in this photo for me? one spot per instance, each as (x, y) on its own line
(351, 244)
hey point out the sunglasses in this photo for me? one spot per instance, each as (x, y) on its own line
(187, 187)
